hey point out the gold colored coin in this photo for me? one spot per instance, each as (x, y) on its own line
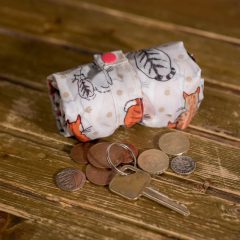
(153, 161)
(174, 143)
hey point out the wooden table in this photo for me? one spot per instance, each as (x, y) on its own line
(41, 37)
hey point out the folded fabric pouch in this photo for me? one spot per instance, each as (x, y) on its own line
(157, 87)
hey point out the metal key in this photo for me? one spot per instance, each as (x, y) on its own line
(136, 184)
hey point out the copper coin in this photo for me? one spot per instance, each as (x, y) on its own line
(70, 179)
(79, 152)
(97, 155)
(153, 161)
(127, 155)
(99, 176)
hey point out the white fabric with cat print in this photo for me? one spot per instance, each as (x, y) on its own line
(96, 96)
(157, 87)
(167, 72)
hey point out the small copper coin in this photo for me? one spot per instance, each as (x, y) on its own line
(174, 143)
(99, 176)
(127, 155)
(70, 179)
(153, 161)
(97, 155)
(79, 152)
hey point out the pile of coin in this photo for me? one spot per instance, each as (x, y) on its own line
(117, 165)
(173, 144)
(98, 170)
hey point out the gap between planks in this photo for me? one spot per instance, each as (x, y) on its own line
(68, 45)
(47, 40)
(145, 21)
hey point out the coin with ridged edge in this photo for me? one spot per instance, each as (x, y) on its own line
(70, 179)
(153, 161)
(174, 143)
(183, 165)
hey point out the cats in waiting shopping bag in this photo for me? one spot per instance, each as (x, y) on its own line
(191, 106)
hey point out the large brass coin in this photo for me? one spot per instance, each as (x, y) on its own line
(153, 161)
(174, 143)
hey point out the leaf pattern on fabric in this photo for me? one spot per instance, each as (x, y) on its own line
(85, 89)
(155, 64)
(88, 85)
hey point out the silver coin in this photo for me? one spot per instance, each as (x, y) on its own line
(183, 165)
(153, 161)
(174, 143)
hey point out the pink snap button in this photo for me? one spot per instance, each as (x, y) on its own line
(109, 57)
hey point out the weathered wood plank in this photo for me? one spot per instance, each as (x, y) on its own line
(26, 175)
(214, 16)
(28, 229)
(63, 22)
(59, 220)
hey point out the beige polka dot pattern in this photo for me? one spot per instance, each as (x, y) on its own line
(119, 92)
(161, 109)
(88, 109)
(109, 114)
(180, 56)
(65, 94)
(167, 92)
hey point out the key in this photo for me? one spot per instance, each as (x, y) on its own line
(137, 184)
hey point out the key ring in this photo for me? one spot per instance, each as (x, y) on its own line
(110, 161)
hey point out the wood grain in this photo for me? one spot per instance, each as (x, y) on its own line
(27, 170)
(54, 219)
(63, 24)
(41, 37)
(213, 16)
(29, 229)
